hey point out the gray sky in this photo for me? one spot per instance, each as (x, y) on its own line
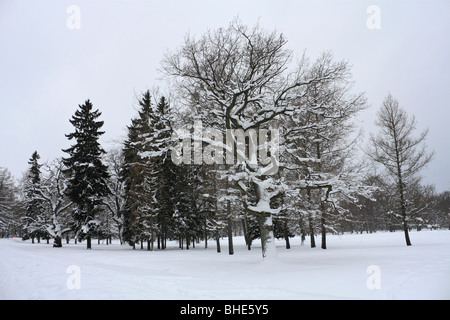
(48, 69)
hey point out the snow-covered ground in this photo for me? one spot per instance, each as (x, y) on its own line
(355, 266)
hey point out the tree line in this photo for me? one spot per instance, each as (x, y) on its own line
(229, 79)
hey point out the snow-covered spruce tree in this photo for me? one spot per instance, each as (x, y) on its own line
(35, 219)
(206, 202)
(161, 179)
(400, 152)
(212, 202)
(88, 175)
(134, 172)
(283, 222)
(244, 77)
(186, 219)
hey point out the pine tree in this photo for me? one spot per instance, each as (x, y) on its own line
(87, 185)
(167, 173)
(162, 171)
(35, 219)
(134, 173)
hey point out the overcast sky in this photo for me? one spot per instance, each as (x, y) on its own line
(49, 64)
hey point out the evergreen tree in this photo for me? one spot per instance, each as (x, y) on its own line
(163, 170)
(87, 185)
(34, 220)
(134, 173)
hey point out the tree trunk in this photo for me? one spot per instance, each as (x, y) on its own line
(324, 232)
(230, 237)
(248, 241)
(267, 236)
(323, 228)
(402, 204)
(286, 235)
(88, 242)
(230, 229)
(218, 241)
(206, 236)
(302, 232)
(311, 233)
(405, 228)
(120, 234)
(57, 242)
(187, 242)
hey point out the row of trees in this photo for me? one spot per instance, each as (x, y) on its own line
(237, 79)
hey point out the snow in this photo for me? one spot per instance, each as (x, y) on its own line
(355, 266)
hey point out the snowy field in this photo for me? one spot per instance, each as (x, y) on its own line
(367, 266)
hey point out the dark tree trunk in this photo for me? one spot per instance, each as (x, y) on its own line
(311, 233)
(230, 229)
(248, 241)
(402, 203)
(187, 242)
(88, 243)
(206, 236)
(286, 235)
(57, 242)
(324, 232)
(323, 228)
(230, 238)
(218, 241)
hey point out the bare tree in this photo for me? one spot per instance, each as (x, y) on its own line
(53, 187)
(10, 205)
(241, 78)
(399, 151)
(115, 201)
